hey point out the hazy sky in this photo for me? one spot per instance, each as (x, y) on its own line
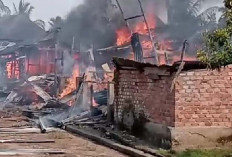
(46, 9)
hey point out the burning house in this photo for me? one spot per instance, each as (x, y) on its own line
(125, 74)
(35, 52)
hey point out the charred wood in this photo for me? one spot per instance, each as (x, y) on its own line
(26, 141)
(42, 126)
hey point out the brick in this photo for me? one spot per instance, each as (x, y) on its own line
(189, 90)
(202, 90)
(189, 82)
(186, 78)
(200, 98)
(208, 123)
(190, 73)
(183, 74)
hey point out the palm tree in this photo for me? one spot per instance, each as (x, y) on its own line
(186, 15)
(26, 9)
(40, 23)
(4, 10)
(55, 22)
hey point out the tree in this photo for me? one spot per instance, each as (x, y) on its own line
(40, 23)
(55, 22)
(217, 50)
(186, 21)
(24, 8)
(4, 10)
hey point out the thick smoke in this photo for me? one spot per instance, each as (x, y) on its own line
(96, 21)
(90, 23)
(68, 64)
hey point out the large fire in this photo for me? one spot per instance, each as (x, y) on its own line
(162, 46)
(12, 69)
(141, 27)
(124, 34)
(71, 83)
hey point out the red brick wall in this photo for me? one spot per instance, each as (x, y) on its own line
(145, 94)
(200, 97)
(204, 98)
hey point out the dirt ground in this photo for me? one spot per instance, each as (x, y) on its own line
(72, 145)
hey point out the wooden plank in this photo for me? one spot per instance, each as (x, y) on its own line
(26, 141)
(111, 144)
(7, 152)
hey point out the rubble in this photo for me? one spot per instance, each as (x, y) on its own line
(42, 126)
(86, 106)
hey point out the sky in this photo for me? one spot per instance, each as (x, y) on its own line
(46, 9)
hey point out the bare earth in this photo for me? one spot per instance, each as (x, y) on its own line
(73, 146)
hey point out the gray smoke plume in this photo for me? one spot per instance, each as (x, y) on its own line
(96, 21)
(68, 64)
(89, 23)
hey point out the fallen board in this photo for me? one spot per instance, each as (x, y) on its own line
(11, 152)
(26, 141)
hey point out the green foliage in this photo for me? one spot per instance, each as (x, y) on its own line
(217, 49)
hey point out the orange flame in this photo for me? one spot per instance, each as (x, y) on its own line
(141, 27)
(71, 83)
(123, 36)
(12, 69)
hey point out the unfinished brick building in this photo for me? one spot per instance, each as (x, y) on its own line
(200, 98)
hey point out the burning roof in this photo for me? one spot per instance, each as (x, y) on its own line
(121, 63)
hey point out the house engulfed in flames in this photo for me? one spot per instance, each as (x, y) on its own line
(157, 15)
(35, 53)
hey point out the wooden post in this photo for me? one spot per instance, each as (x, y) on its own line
(166, 58)
(38, 65)
(91, 96)
(127, 23)
(150, 35)
(109, 105)
(55, 70)
(183, 50)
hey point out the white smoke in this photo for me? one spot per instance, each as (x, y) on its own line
(68, 64)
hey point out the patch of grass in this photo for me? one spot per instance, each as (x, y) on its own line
(206, 153)
(198, 153)
(169, 153)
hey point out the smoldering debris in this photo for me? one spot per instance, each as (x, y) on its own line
(39, 102)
